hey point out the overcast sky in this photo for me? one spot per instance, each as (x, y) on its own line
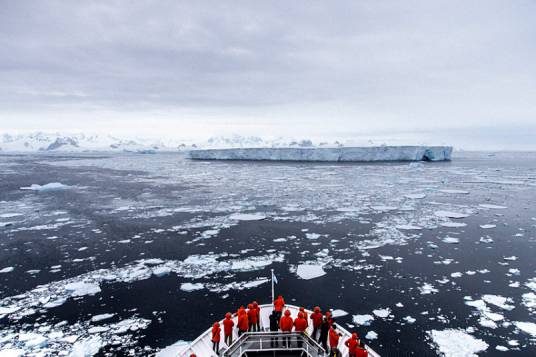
(441, 71)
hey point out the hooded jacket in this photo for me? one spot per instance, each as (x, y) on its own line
(279, 304)
(228, 324)
(285, 324)
(300, 323)
(316, 317)
(216, 331)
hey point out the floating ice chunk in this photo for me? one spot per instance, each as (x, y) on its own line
(82, 288)
(371, 335)
(499, 301)
(312, 235)
(415, 196)
(453, 224)
(527, 327)
(456, 192)
(191, 287)
(487, 226)
(280, 240)
(32, 339)
(6, 270)
(310, 271)
(124, 241)
(502, 348)
(98, 329)
(362, 320)
(10, 215)
(449, 214)
(408, 227)
(529, 300)
(247, 216)
(161, 271)
(11, 352)
(101, 317)
(383, 313)
(338, 313)
(255, 283)
(451, 240)
(512, 258)
(53, 186)
(492, 206)
(87, 347)
(409, 319)
(427, 289)
(456, 275)
(457, 343)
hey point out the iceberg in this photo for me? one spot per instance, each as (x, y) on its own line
(337, 154)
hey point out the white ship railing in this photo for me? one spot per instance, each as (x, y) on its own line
(274, 341)
(202, 345)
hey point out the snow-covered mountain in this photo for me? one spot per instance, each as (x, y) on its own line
(80, 142)
(40, 141)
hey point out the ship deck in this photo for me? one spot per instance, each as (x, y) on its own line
(202, 346)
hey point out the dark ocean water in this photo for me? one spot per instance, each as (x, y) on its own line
(123, 208)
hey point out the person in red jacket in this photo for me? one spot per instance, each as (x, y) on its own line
(316, 317)
(300, 325)
(228, 324)
(279, 304)
(305, 315)
(252, 318)
(352, 343)
(243, 323)
(285, 324)
(361, 350)
(334, 337)
(216, 332)
(258, 309)
(329, 317)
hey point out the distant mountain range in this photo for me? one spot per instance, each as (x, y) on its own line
(60, 142)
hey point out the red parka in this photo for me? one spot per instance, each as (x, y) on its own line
(285, 324)
(300, 324)
(305, 315)
(228, 324)
(352, 344)
(333, 338)
(316, 317)
(243, 323)
(279, 304)
(216, 331)
(252, 314)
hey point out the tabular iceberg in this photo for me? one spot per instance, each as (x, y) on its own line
(347, 154)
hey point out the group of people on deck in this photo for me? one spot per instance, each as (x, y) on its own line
(324, 328)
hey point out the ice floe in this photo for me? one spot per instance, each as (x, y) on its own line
(53, 186)
(382, 313)
(488, 206)
(7, 270)
(362, 320)
(527, 327)
(457, 343)
(310, 271)
(450, 214)
(247, 216)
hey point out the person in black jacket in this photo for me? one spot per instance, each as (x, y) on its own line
(324, 331)
(274, 327)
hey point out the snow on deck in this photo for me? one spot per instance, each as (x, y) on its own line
(202, 346)
(376, 153)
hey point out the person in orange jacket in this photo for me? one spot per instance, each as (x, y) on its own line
(285, 324)
(252, 318)
(330, 317)
(228, 324)
(316, 317)
(279, 304)
(243, 323)
(216, 332)
(334, 337)
(258, 309)
(352, 343)
(361, 350)
(305, 315)
(300, 325)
